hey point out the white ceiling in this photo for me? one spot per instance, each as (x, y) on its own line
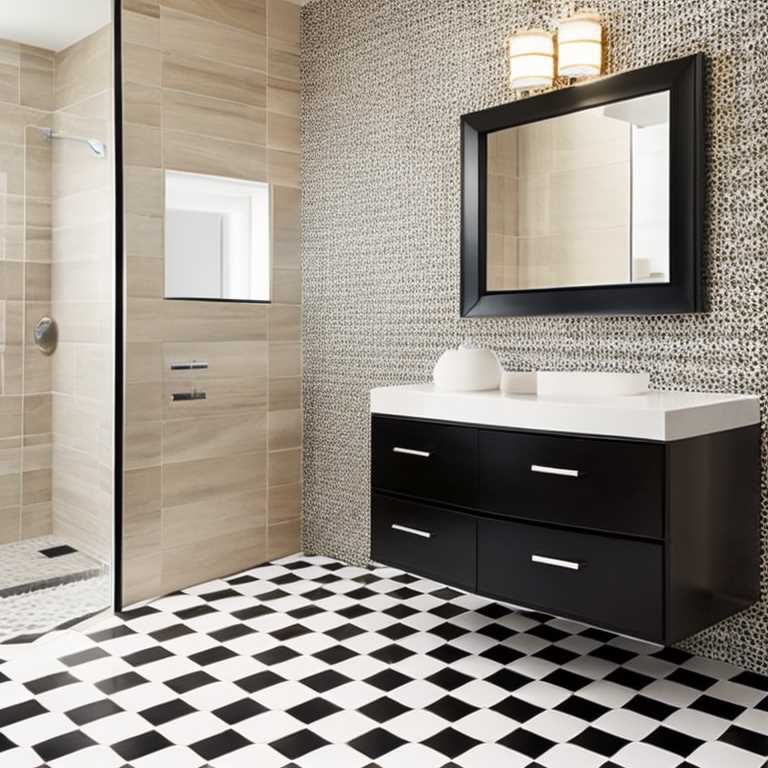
(52, 24)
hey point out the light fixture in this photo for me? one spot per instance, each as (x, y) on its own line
(580, 45)
(531, 60)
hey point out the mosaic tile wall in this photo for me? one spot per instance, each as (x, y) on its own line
(384, 85)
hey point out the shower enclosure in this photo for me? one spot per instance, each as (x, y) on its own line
(57, 313)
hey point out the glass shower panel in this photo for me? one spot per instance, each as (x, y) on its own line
(57, 305)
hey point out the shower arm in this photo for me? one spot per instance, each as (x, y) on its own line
(97, 147)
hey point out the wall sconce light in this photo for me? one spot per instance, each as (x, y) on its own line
(531, 60)
(580, 45)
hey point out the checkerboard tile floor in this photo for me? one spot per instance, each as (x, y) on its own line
(307, 662)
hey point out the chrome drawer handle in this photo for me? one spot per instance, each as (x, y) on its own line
(411, 452)
(570, 564)
(554, 471)
(412, 531)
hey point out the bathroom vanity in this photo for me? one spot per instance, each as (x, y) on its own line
(639, 514)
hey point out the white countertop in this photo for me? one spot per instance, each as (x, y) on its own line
(659, 416)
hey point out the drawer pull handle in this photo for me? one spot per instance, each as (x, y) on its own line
(554, 471)
(412, 531)
(570, 564)
(411, 452)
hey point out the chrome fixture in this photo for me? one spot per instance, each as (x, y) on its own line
(411, 452)
(193, 365)
(46, 335)
(97, 147)
(412, 531)
(556, 561)
(187, 396)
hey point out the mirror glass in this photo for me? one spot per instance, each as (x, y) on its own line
(217, 238)
(581, 199)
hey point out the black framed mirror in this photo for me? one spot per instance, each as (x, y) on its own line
(587, 200)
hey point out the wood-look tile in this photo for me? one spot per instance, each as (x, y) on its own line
(285, 467)
(10, 416)
(10, 455)
(225, 359)
(284, 323)
(141, 29)
(12, 163)
(283, 95)
(284, 20)
(37, 414)
(142, 146)
(38, 451)
(284, 393)
(286, 286)
(143, 191)
(9, 83)
(37, 371)
(36, 486)
(285, 429)
(283, 539)
(37, 279)
(194, 524)
(144, 319)
(184, 33)
(36, 520)
(142, 577)
(223, 397)
(204, 154)
(283, 61)
(144, 236)
(202, 321)
(283, 503)
(212, 437)
(284, 359)
(143, 402)
(142, 65)
(198, 75)
(248, 15)
(284, 168)
(143, 441)
(12, 280)
(142, 522)
(147, 7)
(142, 104)
(221, 119)
(36, 79)
(212, 479)
(283, 132)
(10, 521)
(286, 207)
(85, 68)
(14, 120)
(144, 277)
(214, 557)
(143, 362)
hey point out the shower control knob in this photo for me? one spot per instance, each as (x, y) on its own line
(46, 335)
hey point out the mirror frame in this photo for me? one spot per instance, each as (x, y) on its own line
(684, 79)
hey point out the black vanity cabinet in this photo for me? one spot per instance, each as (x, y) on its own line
(653, 539)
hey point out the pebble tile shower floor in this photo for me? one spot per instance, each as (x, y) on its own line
(308, 662)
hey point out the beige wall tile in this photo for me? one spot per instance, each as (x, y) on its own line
(142, 64)
(213, 321)
(283, 61)
(285, 429)
(10, 416)
(286, 286)
(211, 437)
(228, 120)
(147, 7)
(284, 359)
(36, 486)
(184, 33)
(204, 154)
(143, 441)
(144, 362)
(36, 520)
(142, 522)
(223, 397)
(142, 104)
(247, 15)
(9, 83)
(284, 168)
(284, 539)
(285, 467)
(37, 414)
(284, 21)
(12, 169)
(142, 577)
(11, 280)
(283, 96)
(145, 278)
(144, 192)
(144, 321)
(284, 132)
(284, 503)
(141, 29)
(284, 394)
(143, 402)
(10, 522)
(146, 236)
(226, 360)
(286, 205)
(186, 72)
(284, 323)
(212, 479)
(38, 282)
(194, 524)
(142, 145)
(36, 81)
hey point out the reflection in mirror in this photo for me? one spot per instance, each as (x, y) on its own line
(580, 199)
(217, 242)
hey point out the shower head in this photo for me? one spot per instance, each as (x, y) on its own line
(97, 147)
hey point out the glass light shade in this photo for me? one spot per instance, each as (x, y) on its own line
(580, 46)
(531, 60)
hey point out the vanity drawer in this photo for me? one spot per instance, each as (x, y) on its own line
(609, 485)
(424, 459)
(602, 580)
(428, 540)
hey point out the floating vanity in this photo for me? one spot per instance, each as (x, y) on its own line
(638, 513)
